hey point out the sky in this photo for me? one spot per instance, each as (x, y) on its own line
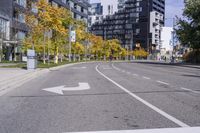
(173, 8)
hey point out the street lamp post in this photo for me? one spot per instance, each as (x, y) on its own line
(1, 48)
(105, 36)
(70, 29)
(1, 44)
(173, 40)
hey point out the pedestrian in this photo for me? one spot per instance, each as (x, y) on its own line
(165, 58)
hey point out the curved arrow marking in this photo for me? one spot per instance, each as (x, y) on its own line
(60, 89)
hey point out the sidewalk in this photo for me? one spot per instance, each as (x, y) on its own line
(11, 78)
(11, 73)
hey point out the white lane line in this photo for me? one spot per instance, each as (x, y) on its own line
(128, 73)
(107, 68)
(160, 130)
(162, 82)
(190, 90)
(146, 78)
(135, 75)
(161, 112)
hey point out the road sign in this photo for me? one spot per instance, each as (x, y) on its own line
(73, 36)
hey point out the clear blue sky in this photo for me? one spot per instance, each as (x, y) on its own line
(173, 8)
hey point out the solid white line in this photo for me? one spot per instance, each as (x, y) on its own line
(135, 75)
(162, 82)
(190, 90)
(107, 68)
(163, 130)
(128, 73)
(173, 119)
(146, 77)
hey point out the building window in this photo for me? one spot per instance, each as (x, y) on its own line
(4, 28)
(64, 1)
(21, 2)
(21, 17)
(54, 4)
(21, 35)
(34, 8)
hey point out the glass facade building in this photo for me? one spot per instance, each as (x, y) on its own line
(131, 24)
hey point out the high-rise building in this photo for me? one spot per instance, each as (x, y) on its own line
(14, 10)
(102, 9)
(121, 4)
(96, 13)
(133, 24)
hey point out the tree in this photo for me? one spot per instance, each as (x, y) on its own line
(188, 30)
(48, 19)
(140, 53)
(96, 46)
(113, 48)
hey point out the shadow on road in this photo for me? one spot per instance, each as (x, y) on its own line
(100, 94)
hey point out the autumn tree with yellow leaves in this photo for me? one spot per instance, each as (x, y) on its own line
(49, 35)
(48, 20)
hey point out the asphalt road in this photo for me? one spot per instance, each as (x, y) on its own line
(121, 96)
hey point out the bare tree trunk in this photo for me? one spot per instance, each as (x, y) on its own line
(44, 51)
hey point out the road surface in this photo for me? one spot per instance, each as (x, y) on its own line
(104, 96)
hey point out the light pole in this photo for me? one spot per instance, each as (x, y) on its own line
(148, 26)
(1, 44)
(105, 36)
(70, 29)
(1, 48)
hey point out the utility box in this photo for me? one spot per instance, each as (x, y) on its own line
(31, 60)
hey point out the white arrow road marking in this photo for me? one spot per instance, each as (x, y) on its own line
(60, 89)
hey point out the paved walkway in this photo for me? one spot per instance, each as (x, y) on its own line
(10, 73)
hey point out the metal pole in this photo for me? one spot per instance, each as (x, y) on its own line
(148, 23)
(70, 28)
(131, 47)
(1, 44)
(105, 36)
(173, 41)
(1, 48)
